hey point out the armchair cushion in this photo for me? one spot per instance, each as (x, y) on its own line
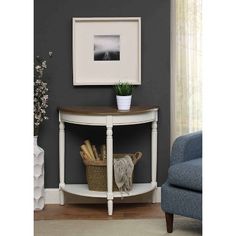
(187, 175)
(181, 201)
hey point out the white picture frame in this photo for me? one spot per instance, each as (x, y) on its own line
(106, 50)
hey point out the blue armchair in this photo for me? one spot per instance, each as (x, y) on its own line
(181, 194)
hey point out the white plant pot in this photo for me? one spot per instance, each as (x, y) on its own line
(39, 199)
(123, 102)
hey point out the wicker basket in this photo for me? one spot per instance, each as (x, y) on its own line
(96, 171)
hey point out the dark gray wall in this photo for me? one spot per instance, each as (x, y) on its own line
(53, 31)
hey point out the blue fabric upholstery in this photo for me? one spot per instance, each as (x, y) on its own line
(186, 147)
(182, 192)
(180, 201)
(187, 175)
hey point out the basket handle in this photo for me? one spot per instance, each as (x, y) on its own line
(136, 157)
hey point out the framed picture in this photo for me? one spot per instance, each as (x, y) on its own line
(106, 50)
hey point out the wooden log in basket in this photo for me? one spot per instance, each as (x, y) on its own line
(89, 148)
(91, 153)
(85, 150)
(103, 152)
(95, 152)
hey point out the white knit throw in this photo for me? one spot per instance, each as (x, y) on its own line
(123, 170)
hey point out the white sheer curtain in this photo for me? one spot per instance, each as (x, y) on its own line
(186, 103)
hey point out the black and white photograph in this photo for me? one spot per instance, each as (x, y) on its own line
(106, 47)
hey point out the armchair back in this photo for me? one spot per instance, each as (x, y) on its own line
(186, 148)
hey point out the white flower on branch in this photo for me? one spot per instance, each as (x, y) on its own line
(40, 92)
(44, 64)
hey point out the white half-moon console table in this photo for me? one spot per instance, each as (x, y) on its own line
(108, 117)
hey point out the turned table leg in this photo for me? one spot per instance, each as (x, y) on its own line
(154, 159)
(61, 160)
(109, 166)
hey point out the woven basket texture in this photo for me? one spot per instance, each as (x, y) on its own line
(96, 171)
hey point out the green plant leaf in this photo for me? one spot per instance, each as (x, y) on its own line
(123, 89)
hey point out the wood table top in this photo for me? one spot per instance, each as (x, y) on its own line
(102, 110)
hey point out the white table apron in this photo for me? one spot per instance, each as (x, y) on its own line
(109, 121)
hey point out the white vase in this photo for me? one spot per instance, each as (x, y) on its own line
(39, 199)
(123, 102)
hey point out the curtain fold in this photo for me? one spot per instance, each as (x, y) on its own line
(186, 30)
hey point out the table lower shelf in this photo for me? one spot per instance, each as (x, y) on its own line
(82, 190)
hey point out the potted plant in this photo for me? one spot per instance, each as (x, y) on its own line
(123, 92)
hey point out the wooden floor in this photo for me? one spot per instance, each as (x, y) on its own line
(99, 211)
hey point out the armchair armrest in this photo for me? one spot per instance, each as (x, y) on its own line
(186, 147)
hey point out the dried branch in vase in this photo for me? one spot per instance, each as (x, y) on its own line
(40, 93)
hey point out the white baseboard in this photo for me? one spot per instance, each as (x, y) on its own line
(52, 197)
(158, 196)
